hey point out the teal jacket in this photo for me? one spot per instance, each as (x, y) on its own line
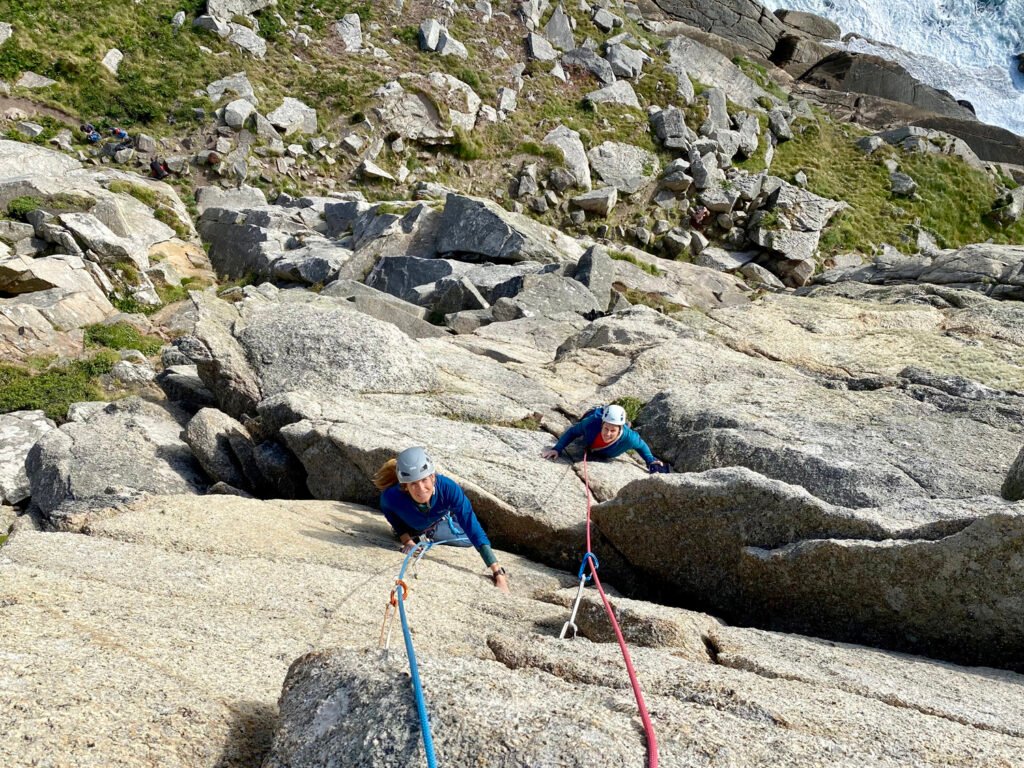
(590, 427)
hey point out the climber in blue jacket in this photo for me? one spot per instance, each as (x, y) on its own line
(420, 503)
(606, 435)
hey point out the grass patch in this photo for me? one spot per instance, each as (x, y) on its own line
(650, 269)
(531, 423)
(952, 198)
(20, 207)
(132, 306)
(54, 389)
(140, 192)
(547, 151)
(652, 300)
(759, 74)
(129, 272)
(631, 405)
(465, 146)
(170, 218)
(122, 336)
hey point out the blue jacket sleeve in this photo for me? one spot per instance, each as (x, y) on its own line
(641, 447)
(454, 498)
(390, 501)
(577, 430)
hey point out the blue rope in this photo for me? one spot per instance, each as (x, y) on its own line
(583, 566)
(417, 686)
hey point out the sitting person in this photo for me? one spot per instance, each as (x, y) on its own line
(606, 435)
(419, 503)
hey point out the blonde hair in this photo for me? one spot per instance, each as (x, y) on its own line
(387, 475)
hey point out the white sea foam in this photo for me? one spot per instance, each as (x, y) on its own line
(966, 47)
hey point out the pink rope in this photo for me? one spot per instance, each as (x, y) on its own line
(652, 740)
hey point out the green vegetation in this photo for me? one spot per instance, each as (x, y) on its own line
(122, 336)
(140, 192)
(652, 300)
(132, 306)
(20, 207)
(632, 406)
(531, 423)
(759, 74)
(951, 201)
(55, 388)
(650, 269)
(547, 151)
(171, 293)
(465, 146)
(170, 218)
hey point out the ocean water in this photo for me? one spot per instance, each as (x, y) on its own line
(966, 47)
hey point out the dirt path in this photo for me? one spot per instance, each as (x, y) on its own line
(32, 109)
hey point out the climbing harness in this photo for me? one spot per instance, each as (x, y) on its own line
(397, 598)
(589, 559)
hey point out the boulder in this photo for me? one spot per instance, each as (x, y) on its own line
(596, 271)
(619, 93)
(866, 74)
(573, 153)
(238, 84)
(413, 108)
(293, 117)
(746, 22)
(223, 447)
(539, 48)
(558, 30)
(809, 24)
(597, 201)
(237, 113)
(687, 57)
(349, 31)
(1013, 486)
(912, 575)
(125, 448)
(19, 431)
(400, 276)
(476, 226)
(546, 295)
(625, 61)
(248, 40)
(588, 61)
(226, 9)
(623, 166)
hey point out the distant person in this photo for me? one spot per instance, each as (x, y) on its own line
(159, 169)
(700, 217)
(419, 504)
(606, 435)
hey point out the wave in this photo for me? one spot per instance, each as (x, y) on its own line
(966, 47)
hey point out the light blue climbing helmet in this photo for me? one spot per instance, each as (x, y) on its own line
(413, 464)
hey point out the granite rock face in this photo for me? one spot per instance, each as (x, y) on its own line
(757, 550)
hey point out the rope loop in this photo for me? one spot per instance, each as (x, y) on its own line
(583, 566)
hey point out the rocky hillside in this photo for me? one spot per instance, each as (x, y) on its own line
(335, 230)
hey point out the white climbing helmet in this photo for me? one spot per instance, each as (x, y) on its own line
(614, 414)
(413, 464)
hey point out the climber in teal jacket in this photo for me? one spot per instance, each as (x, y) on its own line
(606, 435)
(420, 503)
